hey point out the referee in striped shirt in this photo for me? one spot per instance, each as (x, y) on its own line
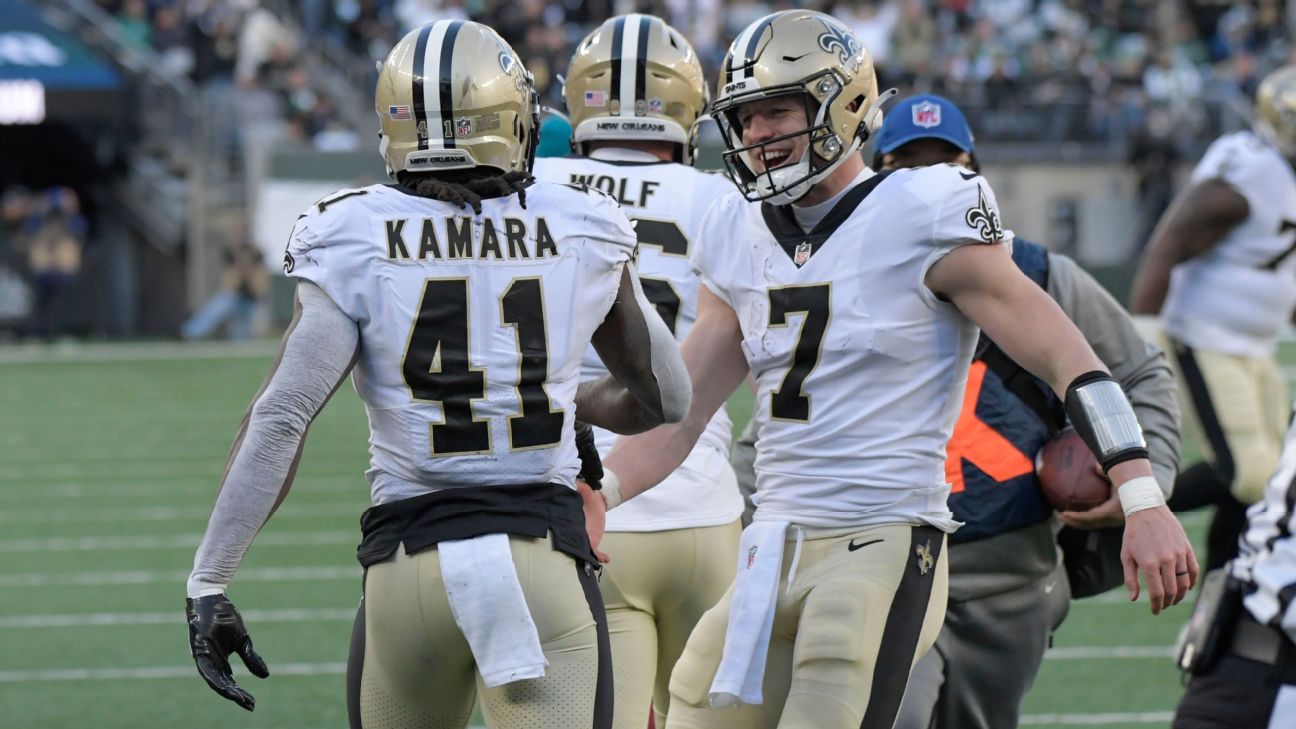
(1253, 683)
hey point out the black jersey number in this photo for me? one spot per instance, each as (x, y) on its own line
(667, 236)
(1284, 228)
(663, 234)
(789, 401)
(662, 295)
(437, 368)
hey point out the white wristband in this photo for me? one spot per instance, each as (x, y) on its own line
(1140, 493)
(611, 489)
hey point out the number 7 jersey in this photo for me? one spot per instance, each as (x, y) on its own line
(859, 367)
(472, 328)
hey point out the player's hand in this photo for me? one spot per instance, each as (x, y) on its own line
(595, 517)
(216, 631)
(1155, 543)
(1103, 516)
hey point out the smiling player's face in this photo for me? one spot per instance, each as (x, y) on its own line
(766, 119)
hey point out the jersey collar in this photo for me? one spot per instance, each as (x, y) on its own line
(801, 245)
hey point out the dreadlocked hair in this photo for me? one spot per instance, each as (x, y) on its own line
(467, 187)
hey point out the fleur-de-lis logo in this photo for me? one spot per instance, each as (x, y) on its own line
(925, 559)
(985, 219)
(846, 45)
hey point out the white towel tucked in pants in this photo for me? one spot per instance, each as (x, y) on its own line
(751, 615)
(489, 607)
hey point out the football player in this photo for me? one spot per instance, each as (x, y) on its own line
(854, 298)
(1008, 588)
(461, 300)
(1220, 276)
(634, 92)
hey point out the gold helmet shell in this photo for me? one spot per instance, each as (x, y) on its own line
(635, 78)
(1276, 110)
(809, 54)
(453, 95)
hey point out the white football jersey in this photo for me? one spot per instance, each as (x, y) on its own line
(472, 328)
(1237, 296)
(859, 367)
(667, 202)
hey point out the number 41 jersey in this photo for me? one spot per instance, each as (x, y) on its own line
(667, 201)
(859, 367)
(472, 328)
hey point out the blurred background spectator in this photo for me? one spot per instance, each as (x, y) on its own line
(50, 244)
(237, 303)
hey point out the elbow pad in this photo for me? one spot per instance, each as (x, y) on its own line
(673, 384)
(1104, 418)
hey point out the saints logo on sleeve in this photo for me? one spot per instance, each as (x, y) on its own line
(985, 219)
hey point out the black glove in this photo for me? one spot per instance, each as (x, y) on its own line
(591, 465)
(215, 631)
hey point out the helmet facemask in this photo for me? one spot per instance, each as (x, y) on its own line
(824, 152)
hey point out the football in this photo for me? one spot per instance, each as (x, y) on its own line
(1068, 474)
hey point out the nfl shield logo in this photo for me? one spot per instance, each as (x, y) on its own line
(751, 557)
(801, 254)
(926, 115)
(655, 106)
(463, 127)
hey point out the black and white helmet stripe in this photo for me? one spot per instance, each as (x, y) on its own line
(432, 92)
(743, 50)
(630, 61)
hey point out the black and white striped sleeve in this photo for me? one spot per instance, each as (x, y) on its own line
(1267, 560)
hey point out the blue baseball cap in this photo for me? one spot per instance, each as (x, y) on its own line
(926, 116)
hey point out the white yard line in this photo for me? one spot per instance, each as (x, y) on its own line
(1142, 717)
(176, 541)
(1084, 653)
(73, 620)
(135, 351)
(166, 486)
(165, 513)
(155, 672)
(157, 577)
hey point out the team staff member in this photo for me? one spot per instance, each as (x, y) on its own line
(1220, 275)
(854, 299)
(672, 549)
(1252, 685)
(461, 301)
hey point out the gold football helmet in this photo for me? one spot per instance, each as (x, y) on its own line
(635, 78)
(1276, 110)
(453, 95)
(814, 56)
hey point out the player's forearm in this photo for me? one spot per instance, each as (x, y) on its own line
(1151, 283)
(1141, 368)
(316, 354)
(608, 404)
(645, 460)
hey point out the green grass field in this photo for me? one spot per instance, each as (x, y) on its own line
(109, 459)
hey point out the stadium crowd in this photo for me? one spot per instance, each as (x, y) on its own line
(1045, 70)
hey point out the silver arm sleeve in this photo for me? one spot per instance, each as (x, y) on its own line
(316, 354)
(673, 382)
(1141, 368)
